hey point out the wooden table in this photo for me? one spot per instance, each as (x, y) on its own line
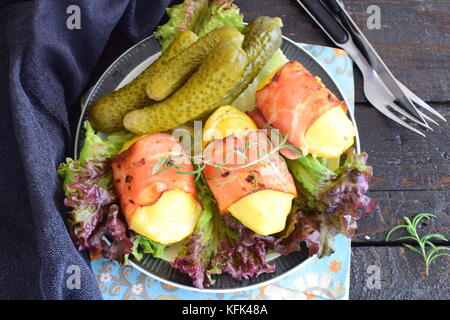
(412, 174)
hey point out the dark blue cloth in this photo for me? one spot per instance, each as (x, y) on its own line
(44, 68)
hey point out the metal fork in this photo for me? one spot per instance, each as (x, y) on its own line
(381, 88)
(395, 86)
(377, 92)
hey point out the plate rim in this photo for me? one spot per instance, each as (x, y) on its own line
(169, 282)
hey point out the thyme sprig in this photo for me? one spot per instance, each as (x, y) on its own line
(427, 249)
(166, 163)
(259, 159)
(201, 161)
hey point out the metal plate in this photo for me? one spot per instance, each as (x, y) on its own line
(123, 70)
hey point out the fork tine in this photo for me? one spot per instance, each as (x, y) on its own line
(426, 106)
(427, 118)
(409, 116)
(401, 122)
(389, 114)
(420, 102)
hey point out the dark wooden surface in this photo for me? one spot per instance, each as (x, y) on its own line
(413, 39)
(401, 275)
(412, 174)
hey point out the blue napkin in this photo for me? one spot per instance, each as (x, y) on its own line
(318, 279)
(44, 68)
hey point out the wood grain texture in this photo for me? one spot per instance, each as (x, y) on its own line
(412, 174)
(394, 205)
(414, 39)
(401, 275)
(403, 160)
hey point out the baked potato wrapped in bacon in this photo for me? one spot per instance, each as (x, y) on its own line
(246, 177)
(297, 103)
(160, 204)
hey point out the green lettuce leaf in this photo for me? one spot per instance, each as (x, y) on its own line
(329, 203)
(194, 259)
(199, 16)
(143, 245)
(247, 99)
(341, 191)
(221, 244)
(220, 13)
(67, 171)
(310, 171)
(96, 148)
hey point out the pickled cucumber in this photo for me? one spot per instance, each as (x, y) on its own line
(107, 113)
(170, 77)
(218, 73)
(262, 39)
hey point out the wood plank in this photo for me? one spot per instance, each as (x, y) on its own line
(401, 275)
(394, 205)
(403, 160)
(414, 38)
(414, 41)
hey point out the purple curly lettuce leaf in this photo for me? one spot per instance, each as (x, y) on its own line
(89, 193)
(115, 231)
(317, 231)
(347, 195)
(94, 220)
(194, 259)
(88, 197)
(244, 255)
(327, 207)
(221, 244)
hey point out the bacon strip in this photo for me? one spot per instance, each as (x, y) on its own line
(292, 101)
(134, 182)
(238, 167)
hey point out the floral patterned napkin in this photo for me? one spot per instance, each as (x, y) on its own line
(318, 279)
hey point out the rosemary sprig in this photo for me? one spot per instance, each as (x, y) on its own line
(166, 163)
(428, 255)
(197, 172)
(282, 145)
(200, 161)
(161, 163)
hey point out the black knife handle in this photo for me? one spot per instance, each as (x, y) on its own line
(333, 5)
(327, 20)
